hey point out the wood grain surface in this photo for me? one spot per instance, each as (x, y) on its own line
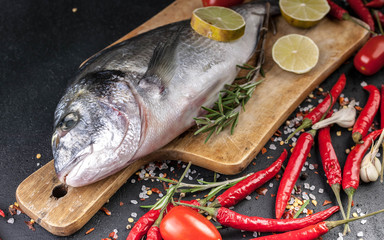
(279, 94)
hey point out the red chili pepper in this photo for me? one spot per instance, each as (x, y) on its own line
(365, 119)
(351, 171)
(364, 14)
(337, 11)
(315, 115)
(381, 17)
(292, 171)
(382, 107)
(330, 163)
(184, 223)
(229, 218)
(375, 4)
(154, 233)
(147, 220)
(245, 187)
(312, 232)
(370, 58)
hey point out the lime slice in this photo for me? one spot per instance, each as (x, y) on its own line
(304, 13)
(295, 53)
(218, 23)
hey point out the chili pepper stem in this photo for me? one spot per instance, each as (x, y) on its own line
(356, 136)
(333, 224)
(305, 124)
(336, 190)
(349, 191)
(349, 18)
(209, 210)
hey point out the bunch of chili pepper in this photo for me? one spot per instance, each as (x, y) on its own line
(149, 222)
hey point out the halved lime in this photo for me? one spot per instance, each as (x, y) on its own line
(218, 23)
(295, 53)
(304, 13)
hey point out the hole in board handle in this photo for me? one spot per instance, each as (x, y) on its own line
(59, 191)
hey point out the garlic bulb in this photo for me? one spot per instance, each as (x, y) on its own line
(345, 118)
(369, 172)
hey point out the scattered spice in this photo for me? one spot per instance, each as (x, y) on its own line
(38, 156)
(106, 211)
(89, 231)
(2, 213)
(263, 150)
(30, 224)
(326, 202)
(121, 204)
(262, 191)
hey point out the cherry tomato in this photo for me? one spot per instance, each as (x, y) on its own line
(222, 3)
(185, 223)
(370, 58)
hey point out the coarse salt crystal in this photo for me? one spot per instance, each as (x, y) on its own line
(363, 84)
(320, 100)
(312, 196)
(11, 220)
(312, 188)
(184, 166)
(311, 166)
(255, 234)
(133, 180)
(341, 234)
(360, 234)
(303, 169)
(364, 221)
(272, 147)
(294, 139)
(18, 212)
(321, 190)
(160, 195)
(248, 198)
(306, 163)
(340, 238)
(305, 211)
(305, 196)
(134, 214)
(358, 210)
(190, 177)
(134, 202)
(270, 185)
(306, 185)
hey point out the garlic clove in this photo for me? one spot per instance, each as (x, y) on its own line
(368, 173)
(377, 164)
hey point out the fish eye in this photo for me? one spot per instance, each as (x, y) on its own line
(69, 121)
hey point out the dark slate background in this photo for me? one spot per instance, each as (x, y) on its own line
(43, 43)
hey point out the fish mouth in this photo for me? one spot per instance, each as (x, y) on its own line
(71, 166)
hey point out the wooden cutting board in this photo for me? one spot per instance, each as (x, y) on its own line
(272, 103)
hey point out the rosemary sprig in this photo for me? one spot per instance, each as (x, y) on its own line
(232, 98)
(226, 110)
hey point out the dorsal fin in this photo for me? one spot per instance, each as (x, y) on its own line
(161, 67)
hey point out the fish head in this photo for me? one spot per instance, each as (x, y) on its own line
(97, 131)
